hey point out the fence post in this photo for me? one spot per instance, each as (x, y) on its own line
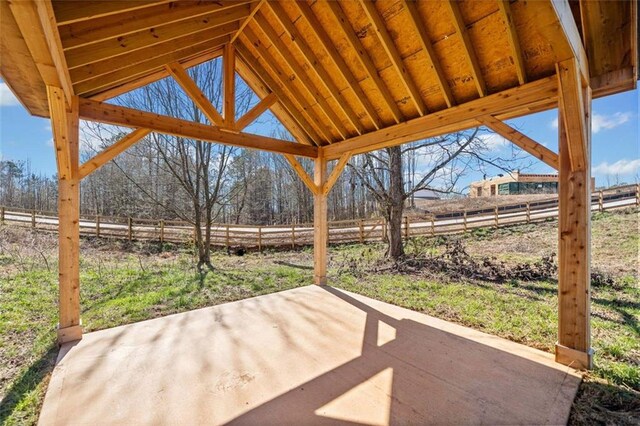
(293, 236)
(496, 216)
(600, 201)
(638, 194)
(259, 239)
(2, 214)
(227, 236)
(465, 221)
(361, 228)
(384, 230)
(161, 231)
(406, 228)
(97, 225)
(130, 229)
(528, 212)
(433, 226)
(33, 218)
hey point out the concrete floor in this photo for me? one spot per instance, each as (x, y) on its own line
(310, 355)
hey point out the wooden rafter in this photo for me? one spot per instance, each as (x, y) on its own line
(115, 78)
(364, 59)
(394, 55)
(68, 12)
(110, 152)
(229, 84)
(294, 93)
(302, 173)
(523, 141)
(214, 36)
(259, 75)
(427, 46)
(301, 76)
(254, 9)
(256, 111)
(142, 39)
(514, 41)
(573, 111)
(88, 32)
(314, 64)
(128, 117)
(335, 173)
(508, 104)
(472, 59)
(571, 45)
(339, 62)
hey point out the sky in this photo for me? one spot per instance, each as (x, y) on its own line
(615, 143)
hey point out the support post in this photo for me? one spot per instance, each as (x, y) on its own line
(320, 221)
(161, 231)
(130, 228)
(64, 122)
(574, 223)
(464, 221)
(2, 214)
(97, 225)
(601, 201)
(528, 212)
(33, 218)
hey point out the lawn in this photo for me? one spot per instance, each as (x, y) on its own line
(123, 283)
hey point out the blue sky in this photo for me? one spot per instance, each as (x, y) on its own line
(615, 149)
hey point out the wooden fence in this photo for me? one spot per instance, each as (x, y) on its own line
(345, 231)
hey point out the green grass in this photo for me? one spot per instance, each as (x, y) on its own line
(123, 284)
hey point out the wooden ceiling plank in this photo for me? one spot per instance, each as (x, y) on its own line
(142, 39)
(427, 46)
(364, 58)
(299, 73)
(121, 116)
(339, 62)
(254, 9)
(524, 142)
(504, 105)
(514, 41)
(88, 32)
(111, 152)
(139, 81)
(110, 65)
(112, 79)
(314, 64)
(255, 75)
(255, 112)
(392, 51)
(471, 57)
(67, 11)
(190, 87)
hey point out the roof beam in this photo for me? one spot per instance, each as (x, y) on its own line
(141, 39)
(338, 62)
(302, 173)
(190, 87)
(128, 117)
(301, 75)
(255, 112)
(394, 55)
(295, 94)
(261, 82)
(315, 65)
(68, 11)
(111, 152)
(571, 46)
(472, 59)
(106, 81)
(335, 173)
(507, 104)
(365, 59)
(522, 141)
(514, 41)
(416, 20)
(254, 9)
(229, 85)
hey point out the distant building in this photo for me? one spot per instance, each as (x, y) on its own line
(426, 194)
(514, 184)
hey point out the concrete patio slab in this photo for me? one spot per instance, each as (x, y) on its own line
(312, 355)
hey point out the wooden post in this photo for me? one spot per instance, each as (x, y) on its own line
(293, 236)
(528, 212)
(33, 218)
(64, 123)
(601, 201)
(465, 221)
(162, 231)
(433, 226)
(574, 220)
(226, 237)
(406, 228)
(130, 228)
(496, 217)
(320, 221)
(259, 239)
(2, 214)
(97, 225)
(361, 228)
(637, 195)
(384, 230)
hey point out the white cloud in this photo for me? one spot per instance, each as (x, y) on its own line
(493, 141)
(602, 122)
(7, 97)
(619, 168)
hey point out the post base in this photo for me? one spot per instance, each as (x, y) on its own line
(574, 358)
(69, 334)
(320, 280)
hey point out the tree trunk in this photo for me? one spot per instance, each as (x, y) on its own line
(396, 207)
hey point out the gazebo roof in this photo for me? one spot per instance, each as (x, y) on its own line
(355, 74)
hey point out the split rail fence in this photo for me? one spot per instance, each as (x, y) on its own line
(345, 231)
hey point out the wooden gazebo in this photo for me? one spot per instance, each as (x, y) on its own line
(344, 78)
